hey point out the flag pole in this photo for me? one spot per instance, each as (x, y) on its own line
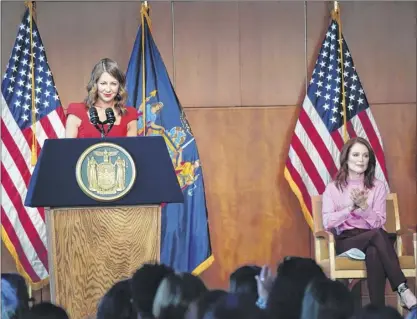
(142, 15)
(30, 5)
(336, 16)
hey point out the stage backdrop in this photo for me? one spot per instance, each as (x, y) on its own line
(240, 71)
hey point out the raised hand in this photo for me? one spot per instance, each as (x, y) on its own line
(264, 281)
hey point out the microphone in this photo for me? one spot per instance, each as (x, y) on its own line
(94, 119)
(110, 119)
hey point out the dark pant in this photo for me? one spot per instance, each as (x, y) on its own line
(381, 259)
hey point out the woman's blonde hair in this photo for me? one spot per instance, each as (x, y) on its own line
(111, 67)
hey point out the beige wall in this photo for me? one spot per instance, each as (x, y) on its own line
(240, 71)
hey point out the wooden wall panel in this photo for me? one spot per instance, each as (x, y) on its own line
(318, 15)
(271, 39)
(162, 32)
(397, 124)
(11, 16)
(253, 216)
(207, 53)
(381, 37)
(71, 56)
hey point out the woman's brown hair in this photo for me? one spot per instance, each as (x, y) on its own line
(343, 173)
(111, 67)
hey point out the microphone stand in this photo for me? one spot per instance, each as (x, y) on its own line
(100, 129)
(109, 128)
(103, 134)
(103, 130)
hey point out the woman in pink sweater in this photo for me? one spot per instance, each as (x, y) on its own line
(354, 209)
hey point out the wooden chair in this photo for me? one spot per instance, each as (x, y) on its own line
(345, 268)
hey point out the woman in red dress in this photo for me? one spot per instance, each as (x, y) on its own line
(106, 89)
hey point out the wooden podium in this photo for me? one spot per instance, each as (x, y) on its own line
(92, 245)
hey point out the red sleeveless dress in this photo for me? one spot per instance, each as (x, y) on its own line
(87, 130)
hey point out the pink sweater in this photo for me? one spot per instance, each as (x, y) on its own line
(336, 213)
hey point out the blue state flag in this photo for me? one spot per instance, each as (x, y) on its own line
(185, 238)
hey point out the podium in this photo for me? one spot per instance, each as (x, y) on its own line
(93, 243)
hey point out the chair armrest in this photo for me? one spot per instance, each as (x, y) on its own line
(325, 234)
(325, 248)
(406, 230)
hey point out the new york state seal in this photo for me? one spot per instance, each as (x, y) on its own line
(105, 172)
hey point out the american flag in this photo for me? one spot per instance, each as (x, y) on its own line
(318, 138)
(23, 228)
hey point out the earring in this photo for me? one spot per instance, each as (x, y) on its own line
(118, 97)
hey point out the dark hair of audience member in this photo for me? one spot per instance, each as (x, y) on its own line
(327, 299)
(198, 307)
(144, 284)
(195, 286)
(287, 293)
(47, 310)
(371, 311)
(117, 302)
(174, 295)
(18, 283)
(242, 280)
(234, 306)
